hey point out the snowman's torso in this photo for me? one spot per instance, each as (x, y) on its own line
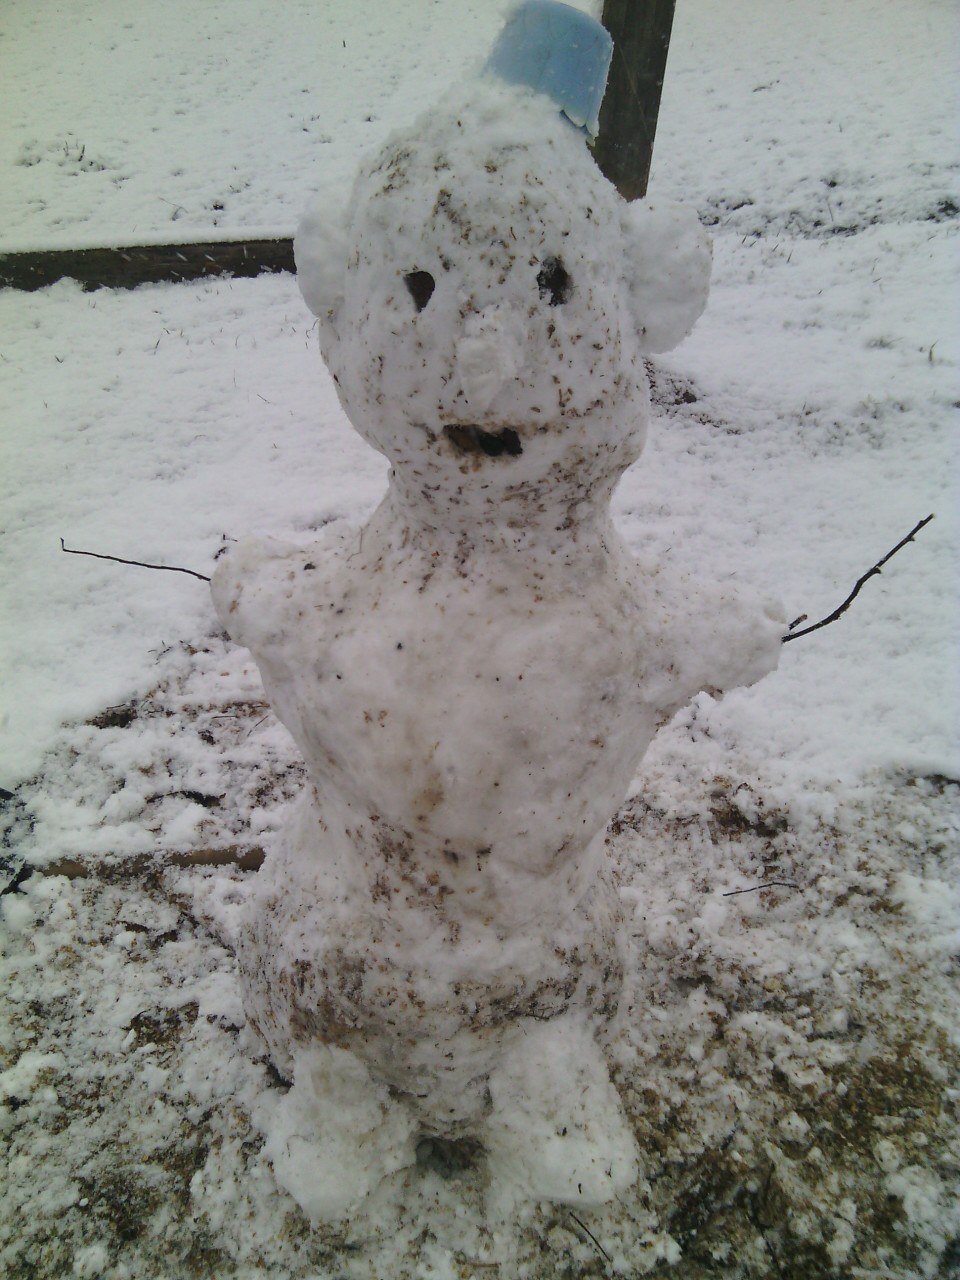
(491, 715)
(472, 711)
(470, 721)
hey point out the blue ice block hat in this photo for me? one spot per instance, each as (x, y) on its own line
(559, 51)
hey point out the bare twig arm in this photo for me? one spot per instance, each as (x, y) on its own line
(583, 1227)
(769, 884)
(142, 564)
(841, 609)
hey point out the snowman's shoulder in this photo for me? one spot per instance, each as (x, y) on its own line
(658, 595)
(698, 608)
(706, 634)
(259, 584)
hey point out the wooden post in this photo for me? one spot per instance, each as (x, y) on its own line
(628, 117)
(131, 265)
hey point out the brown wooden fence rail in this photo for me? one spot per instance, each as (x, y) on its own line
(132, 265)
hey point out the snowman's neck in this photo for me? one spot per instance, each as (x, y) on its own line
(534, 519)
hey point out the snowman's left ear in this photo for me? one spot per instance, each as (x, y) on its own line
(320, 249)
(668, 271)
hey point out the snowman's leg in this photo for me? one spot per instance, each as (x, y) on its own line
(557, 1130)
(336, 1134)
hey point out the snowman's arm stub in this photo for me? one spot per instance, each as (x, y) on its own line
(255, 590)
(746, 631)
(716, 637)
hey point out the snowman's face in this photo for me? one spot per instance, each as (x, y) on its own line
(483, 317)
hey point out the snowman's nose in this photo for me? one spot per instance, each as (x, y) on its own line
(488, 354)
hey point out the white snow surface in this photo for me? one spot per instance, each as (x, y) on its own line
(787, 1057)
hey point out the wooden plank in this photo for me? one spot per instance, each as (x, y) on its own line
(628, 117)
(131, 265)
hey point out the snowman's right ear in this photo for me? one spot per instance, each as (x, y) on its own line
(320, 250)
(667, 270)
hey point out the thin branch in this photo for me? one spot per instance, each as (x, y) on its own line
(170, 568)
(770, 884)
(825, 622)
(583, 1226)
(256, 726)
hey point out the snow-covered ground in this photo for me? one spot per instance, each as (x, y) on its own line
(787, 1056)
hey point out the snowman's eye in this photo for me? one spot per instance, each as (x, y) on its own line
(554, 282)
(421, 285)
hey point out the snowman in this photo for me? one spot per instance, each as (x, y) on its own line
(432, 950)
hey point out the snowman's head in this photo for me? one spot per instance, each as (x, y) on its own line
(487, 298)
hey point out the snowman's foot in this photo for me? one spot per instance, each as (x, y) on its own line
(336, 1134)
(557, 1130)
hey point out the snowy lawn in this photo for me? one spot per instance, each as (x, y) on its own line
(788, 1056)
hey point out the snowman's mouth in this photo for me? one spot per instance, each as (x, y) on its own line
(492, 444)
